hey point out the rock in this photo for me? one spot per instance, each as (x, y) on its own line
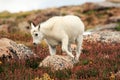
(57, 62)
(99, 6)
(114, 19)
(104, 36)
(110, 26)
(10, 49)
(115, 1)
(108, 4)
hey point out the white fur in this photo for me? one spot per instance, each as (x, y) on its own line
(60, 29)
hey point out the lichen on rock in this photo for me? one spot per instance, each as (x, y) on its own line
(57, 62)
(10, 49)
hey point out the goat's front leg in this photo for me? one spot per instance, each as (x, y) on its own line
(52, 50)
(65, 45)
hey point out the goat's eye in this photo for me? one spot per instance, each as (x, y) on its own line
(36, 34)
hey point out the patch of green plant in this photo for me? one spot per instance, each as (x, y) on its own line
(93, 72)
(86, 73)
(89, 12)
(32, 63)
(47, 70)
(5, 14)
(3, 33)
(115, 68)
(118, 56)
(27, 35)
(118, 27)
(106, 71)
(59, 74)
(63, 74)
(1, 69)
(85, 62)
(63, 13)
(22, 14)
(100, 15)
(80, 73)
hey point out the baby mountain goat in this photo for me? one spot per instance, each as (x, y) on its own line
(60, 29)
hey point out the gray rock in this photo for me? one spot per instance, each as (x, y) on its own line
(10, 49)
(57, 62)
(114, 19)
(108, 4)
(115, 1)
(103, 27)
(104, 36)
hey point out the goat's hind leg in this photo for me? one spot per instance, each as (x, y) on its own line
(79, 42)
(52, 50)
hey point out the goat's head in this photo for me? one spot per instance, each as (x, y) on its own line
(36, 34)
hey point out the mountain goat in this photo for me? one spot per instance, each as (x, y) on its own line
(63, 30)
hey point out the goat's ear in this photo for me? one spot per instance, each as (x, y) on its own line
(39, 27)
(32, 25)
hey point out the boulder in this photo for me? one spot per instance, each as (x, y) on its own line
(110, 26)
(57, 62)
(10, 49)
(104, 36)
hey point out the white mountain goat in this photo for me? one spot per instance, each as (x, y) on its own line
(63, 30)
